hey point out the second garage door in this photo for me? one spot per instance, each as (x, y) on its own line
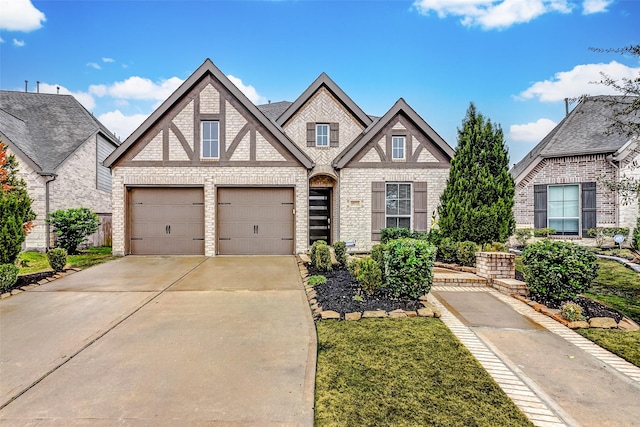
(255, 221)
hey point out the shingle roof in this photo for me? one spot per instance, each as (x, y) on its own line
(273, 110)
(47, 128)
(583, 131)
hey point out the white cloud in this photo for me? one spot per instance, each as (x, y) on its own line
(144, 89)
(501, 14)
(18, 43)
(20, 15)
(98, 90)
(578, 82)
(108, 60)
(1, 40)
(83, 97)
(531, 132)
(121, 124)
(595, 6)
(248, 90)
(94, 65)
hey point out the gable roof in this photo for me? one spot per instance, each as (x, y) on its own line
(44, 129)
(208, 68)
(273, 110)
(323, 80)
(582, 132)
(400, 107)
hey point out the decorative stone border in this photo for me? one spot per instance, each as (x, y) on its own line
(428, 309)
(41, 282)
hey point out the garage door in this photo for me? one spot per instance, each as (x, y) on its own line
(166, 221)
(255, 221)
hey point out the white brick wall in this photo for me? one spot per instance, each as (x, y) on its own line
(209, 100)
(629, 210)
(184, 122)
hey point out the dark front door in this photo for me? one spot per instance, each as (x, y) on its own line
(319, 215)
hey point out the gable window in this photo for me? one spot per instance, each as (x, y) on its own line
(563, 209)
(210, 139)
(398, 205)
(397, 148)
(322, 135)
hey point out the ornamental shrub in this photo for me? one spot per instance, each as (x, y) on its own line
(8, 276)
(321, 255)
(558, 270)
(387, 234)
(317, 280)
(523, 235)
(571, 311)
(495, 247)
(377, 254)
(466, 253)
(369, 275)
(72, 226)
(409, 267)
(353, 266)
(448, 251)
(340, 249)
(544, 232)
(57, 259)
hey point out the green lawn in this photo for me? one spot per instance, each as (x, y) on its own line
(618, 287)
(623, 343)
(34, 262)
(404, 372)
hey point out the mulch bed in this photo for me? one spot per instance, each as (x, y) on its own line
(339, 292)
(590, 308)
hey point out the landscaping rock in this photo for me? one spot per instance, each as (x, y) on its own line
(16, 291)
(398, 314)
(353, 316)
(312, 294)
(5, 295)
(26, 288)
(423, 299)
(603, 323)
(411, 313)
(578, 324)
(627, 324)
(329, 315)
(305, 258)
(425, 312)
(43, 281)
(377, 314)
(314, 307)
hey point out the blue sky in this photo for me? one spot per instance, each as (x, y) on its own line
(515, 59)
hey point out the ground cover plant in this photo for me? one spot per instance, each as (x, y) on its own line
(404, 372)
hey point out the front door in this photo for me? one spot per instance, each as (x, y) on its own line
(319, 215)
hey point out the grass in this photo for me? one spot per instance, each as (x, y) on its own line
(617, 287)
(623, 343)
(35, 262)
(404, 372)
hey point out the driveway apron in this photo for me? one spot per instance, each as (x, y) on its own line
(174, 341)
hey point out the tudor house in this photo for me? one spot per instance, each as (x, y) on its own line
(559, 183)
(211, 173)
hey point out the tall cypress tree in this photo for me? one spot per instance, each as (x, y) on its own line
(477, 203)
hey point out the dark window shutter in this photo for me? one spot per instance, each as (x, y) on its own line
(420, 212)
(540, 206)
(333, 134)
(588, 207)
(378, 203)
(311, 134)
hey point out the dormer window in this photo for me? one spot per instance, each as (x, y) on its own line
(397, 148)
(322, 135)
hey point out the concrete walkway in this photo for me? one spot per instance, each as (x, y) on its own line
(161, 341)
(557, 377)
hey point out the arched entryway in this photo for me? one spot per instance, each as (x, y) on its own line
(321, 207)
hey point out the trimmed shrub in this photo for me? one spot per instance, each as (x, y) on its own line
(387, 234)
(57, 259)
(558, 270)
(369, 275)
(466, 253)
(495, 247)
(353, 266)
(448, 251)
(523, 235)
(321, 255)
(72, 226)
(377, 254)
(8, 276)
(409, 267)
(317, 280)
(544, 232)
(340, 249)
(571, 311)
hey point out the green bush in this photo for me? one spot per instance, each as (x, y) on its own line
(321, 255)
(317, 280)
(571, 311)
(466, 253)
(558, 270)
(369, 275)
(495, 247)
(377, 254)
(448, 251)
(340, 249)
(57, 259)
(523, 235)
(544, 232)
(635, 242)
(409, 267)
(72, 226)
(8, 276)
(393, 233)
(353, 266)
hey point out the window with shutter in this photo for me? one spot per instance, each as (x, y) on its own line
(335, 135)
(588, 207)
(540, 206)
(420, 209)
(398, 205)
(322, 135)
(311, 134)
(563, 209)
(377, 209)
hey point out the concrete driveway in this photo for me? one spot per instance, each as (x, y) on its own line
(161, 341)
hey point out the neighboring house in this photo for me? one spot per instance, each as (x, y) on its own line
(211, 173)
(559, 184)
(60, 147)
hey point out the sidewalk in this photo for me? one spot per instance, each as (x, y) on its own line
(555, 376)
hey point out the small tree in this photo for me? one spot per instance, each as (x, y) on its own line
(477, 203)
(16, 215)
(72, 226)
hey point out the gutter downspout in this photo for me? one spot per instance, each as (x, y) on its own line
(49, 177)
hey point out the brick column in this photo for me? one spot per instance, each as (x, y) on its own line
(495, 265)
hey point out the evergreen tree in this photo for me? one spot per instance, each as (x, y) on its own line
(477, 203)
(15, 208)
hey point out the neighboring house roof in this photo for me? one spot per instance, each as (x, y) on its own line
(584, 131)
(273, 110)
(46, 128)
(208, 67)
(400, 107)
